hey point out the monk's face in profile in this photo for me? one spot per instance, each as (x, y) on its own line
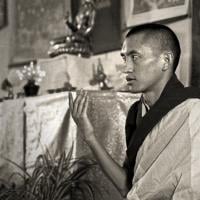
(143, 63)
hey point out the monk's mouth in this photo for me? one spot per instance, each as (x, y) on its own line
(128, 79)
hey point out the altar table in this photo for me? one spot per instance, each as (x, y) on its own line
(30, 126)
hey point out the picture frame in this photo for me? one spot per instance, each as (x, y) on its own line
(145, 11)
(3, 13)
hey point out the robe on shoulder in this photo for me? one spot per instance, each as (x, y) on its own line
(163, 148)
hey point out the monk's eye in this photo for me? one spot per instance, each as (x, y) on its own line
(134, 57)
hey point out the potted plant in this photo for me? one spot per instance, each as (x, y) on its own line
(54, 179)
(33, 75)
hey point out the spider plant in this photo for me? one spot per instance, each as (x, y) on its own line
(63, 178)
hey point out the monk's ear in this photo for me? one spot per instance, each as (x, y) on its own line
(167, 60)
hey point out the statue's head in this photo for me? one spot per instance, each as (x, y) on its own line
(88, 1)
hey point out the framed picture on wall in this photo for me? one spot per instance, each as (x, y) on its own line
(3, 13)
(144, 11)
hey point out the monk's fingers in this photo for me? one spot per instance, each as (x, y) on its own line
(70, 101)
(77, 102)
(81, 105)
(85, 105)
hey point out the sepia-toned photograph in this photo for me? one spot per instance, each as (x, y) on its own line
(100, 100)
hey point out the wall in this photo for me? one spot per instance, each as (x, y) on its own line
(195, 44)
(6, 42)
(183, 30)
(111, 61)
(8, 50)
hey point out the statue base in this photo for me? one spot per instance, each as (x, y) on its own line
(73, 44)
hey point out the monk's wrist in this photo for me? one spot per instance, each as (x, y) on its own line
(90, 139)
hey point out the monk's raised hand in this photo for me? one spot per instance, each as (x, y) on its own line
(78, 109)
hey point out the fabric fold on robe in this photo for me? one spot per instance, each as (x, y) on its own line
(167, 163)
(173, 95)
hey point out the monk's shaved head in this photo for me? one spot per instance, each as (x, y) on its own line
(161, 38)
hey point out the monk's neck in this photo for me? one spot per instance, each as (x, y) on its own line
(150, 97)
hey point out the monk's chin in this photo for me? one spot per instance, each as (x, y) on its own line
(134, 90)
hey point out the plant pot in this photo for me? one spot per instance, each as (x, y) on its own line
(30, 89)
